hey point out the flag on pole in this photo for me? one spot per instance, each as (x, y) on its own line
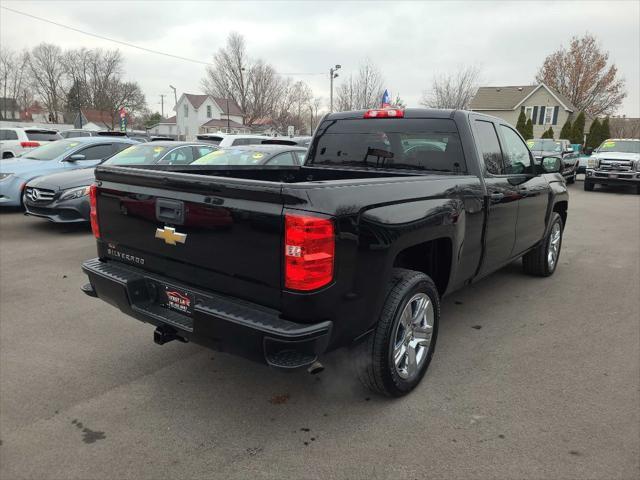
(386, 101)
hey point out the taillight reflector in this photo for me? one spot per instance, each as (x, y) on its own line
(93, 213)
(384, 113)
(309, 250)
(29, 144)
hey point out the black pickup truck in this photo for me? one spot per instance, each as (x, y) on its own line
(392, 210)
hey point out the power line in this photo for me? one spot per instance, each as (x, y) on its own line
(127, 44)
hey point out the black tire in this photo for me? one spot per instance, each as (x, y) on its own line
(638, 189)
(588, 186)
(373, 357)
(572, 178)
(536, 262)
(6, 155)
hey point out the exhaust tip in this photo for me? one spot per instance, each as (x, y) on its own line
(315, 368)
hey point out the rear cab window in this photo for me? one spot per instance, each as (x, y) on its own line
(408, 143)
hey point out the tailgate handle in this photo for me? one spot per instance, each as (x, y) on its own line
(170, 211)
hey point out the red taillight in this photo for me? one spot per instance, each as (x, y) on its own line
(384, 113)
(29, 144)
(93, 215)
(309, 249)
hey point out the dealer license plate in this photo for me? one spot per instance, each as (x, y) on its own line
(178, 300)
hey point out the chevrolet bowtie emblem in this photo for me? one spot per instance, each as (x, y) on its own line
(170, 236)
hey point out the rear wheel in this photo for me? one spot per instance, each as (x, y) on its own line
(588, 186)
(395, 356)
(543, 260)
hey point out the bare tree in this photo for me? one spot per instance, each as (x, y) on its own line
(14, 78)
(582, 75)
(47, 70)
(362, 91)
(453, 90)
(127, 95)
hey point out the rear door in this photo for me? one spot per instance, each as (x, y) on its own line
(532, 190)
(502, 202)
(217, 233)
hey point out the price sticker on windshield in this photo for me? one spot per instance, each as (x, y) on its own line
(609, 144)
(530, 143)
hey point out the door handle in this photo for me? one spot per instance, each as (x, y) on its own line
(497, 196)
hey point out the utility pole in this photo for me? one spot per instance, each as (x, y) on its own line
(162, 95)
(175, 97)
(332, 75)
(228, 131)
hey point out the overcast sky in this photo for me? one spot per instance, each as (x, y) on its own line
(409, 42)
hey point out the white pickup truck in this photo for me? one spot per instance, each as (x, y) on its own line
(615, 162)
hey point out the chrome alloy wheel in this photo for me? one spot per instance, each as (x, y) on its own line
(554, 246)
(412, 336)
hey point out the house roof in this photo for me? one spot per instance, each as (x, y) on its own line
(222, 123)
(234, 108)
(98, 116)
(196, 100)
(511, 97)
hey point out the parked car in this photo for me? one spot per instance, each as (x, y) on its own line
(542, 147)
(16, 141)
(68, 154)
(615, 162)
(228, 140)
(78, 132)
(63, 197)
(354, 248)
(300, 141)
(255, 155)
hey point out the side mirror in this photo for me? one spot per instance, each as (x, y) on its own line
(76, 157)
(551, 164)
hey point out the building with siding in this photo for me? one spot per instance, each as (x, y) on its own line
(542, 104)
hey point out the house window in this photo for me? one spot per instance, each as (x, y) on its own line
(528, 113)
(548, 115)
(186, 110)
(208, 111)
(170, 128)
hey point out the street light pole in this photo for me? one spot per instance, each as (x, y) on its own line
(228, 127)
(175, 97)
(332, 75)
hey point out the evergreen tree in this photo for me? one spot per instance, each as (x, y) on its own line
(521, 125)
(528, 130)
(605, 131)
(565, 133)
(577, 131)
(550, 133)
(593, 137)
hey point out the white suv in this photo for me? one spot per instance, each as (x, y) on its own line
(14, 141)
(228, 140)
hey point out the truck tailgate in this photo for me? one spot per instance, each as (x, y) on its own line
(223, 234)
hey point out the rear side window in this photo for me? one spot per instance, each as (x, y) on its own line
(42, 136)
(8, 135)
(97, 152)
(416, 144)
(489, 147)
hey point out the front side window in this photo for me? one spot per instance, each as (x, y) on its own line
(179, 156)
(97, 152)
(394, 143)
(517, 155)
(282, 159)
(489, 147)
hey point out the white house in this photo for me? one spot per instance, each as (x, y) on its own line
(206, 114)
(165, 128)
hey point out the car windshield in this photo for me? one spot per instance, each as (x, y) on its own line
(52, 150)
(146, 154)
(621, 146)
(417, 144)
(233, 156)
(546, 145)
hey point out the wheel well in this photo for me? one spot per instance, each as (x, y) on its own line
(432, 258)
(561, 208)
(7, 155)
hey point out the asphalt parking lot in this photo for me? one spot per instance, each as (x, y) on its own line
(532, 378)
